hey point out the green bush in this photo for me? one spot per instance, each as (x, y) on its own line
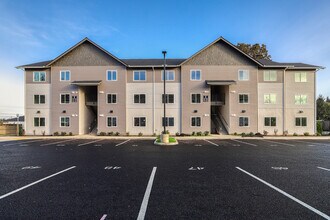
(117, 133)
(193, 133)
(206, 133)
(102, 133)
(140, 134)
(177, 134)
(235, 134)
(56, 133)
(63, 133)
(70, 133)
(110, 133)
(251, 134)
(295, 134)
(199, 133)
(306, 133)
(243, 134)
(127, 133)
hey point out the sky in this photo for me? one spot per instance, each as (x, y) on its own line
(38, 30)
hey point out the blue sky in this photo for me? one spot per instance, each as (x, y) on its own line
(32, 31)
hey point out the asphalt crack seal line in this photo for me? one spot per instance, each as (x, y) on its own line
(287, 194)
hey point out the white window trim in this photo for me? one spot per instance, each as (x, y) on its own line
(299, 126)
(161, 120)
(39, 76)
(139, 102)
(270, 121)
(248, 98)
(248, 71)
(269, 98)
(65, 94)
(196, 102)
(243, 116)
(195, 79)
(106, 75)
(106, 98)
(139, 75)
(169, 102)
(196, 117)
(69, 75)
(37, 116)
(269, 76)
(69, 121)
(106, 123)
(162, 72)
(300, 99)
(140, 117)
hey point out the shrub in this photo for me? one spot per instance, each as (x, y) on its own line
(285, 133)
(258, 134)
(56, 133)
(166, 132)
(235, 133)
(70, 133)
(140, 134)
(295, 134)
(306, 133)
(63, 133)
(265, 132)
(102, 133)
(275, 131)
(319, 127)
(177, 134)
(117, 133)
(199, 133)
(154, 134)
(318, 134)
(110, 133)
(206, 133)
(251, 134)
(243, 134)
(127, 133)
(193, 133)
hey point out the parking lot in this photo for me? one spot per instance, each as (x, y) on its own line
(134, 179)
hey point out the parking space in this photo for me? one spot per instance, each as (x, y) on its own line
(197, 179)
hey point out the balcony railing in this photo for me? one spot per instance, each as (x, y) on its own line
(91, 103)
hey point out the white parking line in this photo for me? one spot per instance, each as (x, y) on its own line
(58, 142)
(323, 168)
(144, 204)
(286, 194)
(122, 143)
(274, 142)
(25, 142)
(90, 142)
(211, 143)
(38, 181)
(307, 142)
(242, 142)
(103, 217)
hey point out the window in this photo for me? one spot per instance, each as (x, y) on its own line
(74, 98)
(270, 75)
(39, 122)
(196, 121)
(169, 98)
(65, 75)
(112, 121)
(112, 98)
(270, 121)
(243, 75)
(243, 98)
(243, 121)
(140, 121)
(39, 76)
(195, 75)
(300, 77)
(195, 98)
(300, 99)
(39, 99)
(65, 121)
(269, 98)
(112, 75)
(65, 98)
(140, 98)
(169, 121)
(205, 98)
(301, 121)
(139, 75)
(170, 75)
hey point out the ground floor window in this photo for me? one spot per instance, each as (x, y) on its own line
(301, 121)
(270, 121)
(65, 121)
(140, 121)
(112, 121)
(196, 121)
(39, 122)
(169, 121)
(243, 121)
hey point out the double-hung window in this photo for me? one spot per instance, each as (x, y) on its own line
(65, 75)
(196, 121)
(301, 121)
(270, 75)
(243, 121)
(170, 75)
(65, 121)
(140, 121)
(112, 121)
(39, 99)
(270, 121)
(39, 122)
(300, 77)
(111, 75)
(169, 98)
(169, 121)
(39, 76)
(243, 75)
(112, 98)
(195, 75)
(195, 98)
(140, 98)
(139, 75)
(65, 98)
(300, 99)
(243, 98)
(270, 98)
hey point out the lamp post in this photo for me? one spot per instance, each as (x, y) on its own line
(164, 95)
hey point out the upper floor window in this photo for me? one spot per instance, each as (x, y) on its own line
(65, 121)
(301, 121)
(269, 98)
(270, 75)
(170, 75)
(300, 99)
(112, 75)
(169, 98)
(112, 121)
(140, 98)
(270, 121)
(112, 98)
(39, 122)
(243, 75)
(65, 98)
(195, 75)
(139, 75)
(243, 98)
(65, 75)
(39, 76)
(243, 121)
(300, 77)
(39, 99)
(168, 122)
(195, 98)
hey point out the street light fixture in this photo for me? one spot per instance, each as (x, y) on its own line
(164, 95)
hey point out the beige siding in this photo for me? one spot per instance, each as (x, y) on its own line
(29, 76)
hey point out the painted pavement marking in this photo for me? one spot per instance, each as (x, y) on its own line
(322, 168)
(243, 142)
(211, 143)
(122, 143)
(25, 142)
(83, 144)
(58, 142)
(274, 142)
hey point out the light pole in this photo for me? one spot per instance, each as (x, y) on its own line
(164, 95)
(17, 126)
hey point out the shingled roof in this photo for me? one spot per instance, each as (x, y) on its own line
(294, 65)
(152, 62)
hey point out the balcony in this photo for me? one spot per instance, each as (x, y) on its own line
(91, 103)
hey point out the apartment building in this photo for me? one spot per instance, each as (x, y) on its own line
(218, 89)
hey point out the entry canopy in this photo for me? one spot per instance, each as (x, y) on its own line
(87, 83)
(220, 82)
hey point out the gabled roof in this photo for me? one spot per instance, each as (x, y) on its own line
(42, 64)
(78, 44)
(152, 62)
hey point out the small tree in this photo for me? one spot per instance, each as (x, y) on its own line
(256, 51)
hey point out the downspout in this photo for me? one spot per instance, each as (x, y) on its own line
(315, 110)
(284, 96)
